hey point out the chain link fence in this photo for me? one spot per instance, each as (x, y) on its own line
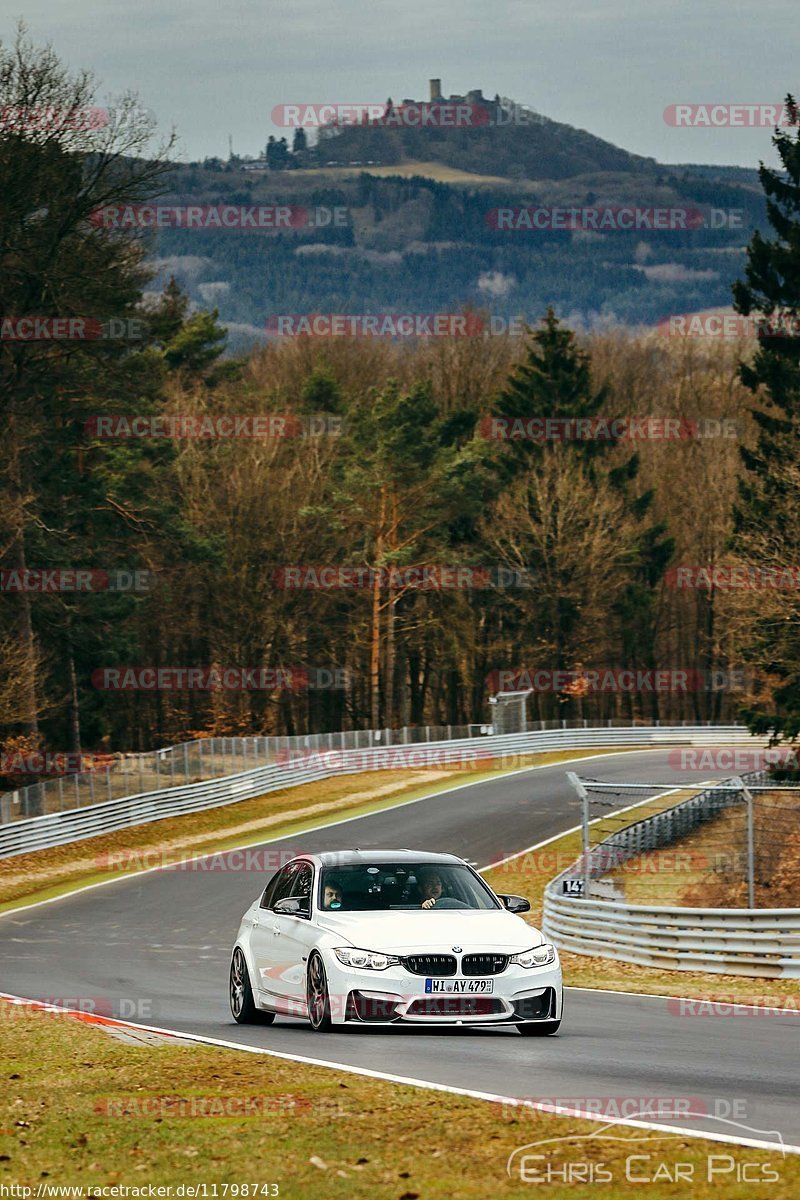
(728, 846)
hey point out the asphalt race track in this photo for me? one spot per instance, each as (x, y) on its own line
(158, 947)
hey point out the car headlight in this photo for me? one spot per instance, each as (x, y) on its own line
(538, 956)
(373, 960)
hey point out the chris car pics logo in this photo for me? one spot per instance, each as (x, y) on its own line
(633, 1156)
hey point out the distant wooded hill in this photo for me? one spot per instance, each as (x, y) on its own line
(411, 243)
(536, 149)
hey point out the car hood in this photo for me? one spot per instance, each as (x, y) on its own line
(408, 931)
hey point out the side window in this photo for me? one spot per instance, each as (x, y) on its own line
(280, 886)
(301, 886)
(269, 890)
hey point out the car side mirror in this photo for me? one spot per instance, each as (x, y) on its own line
(516, 904)
(292, 906)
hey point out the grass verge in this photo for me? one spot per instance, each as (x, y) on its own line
(80, 1108)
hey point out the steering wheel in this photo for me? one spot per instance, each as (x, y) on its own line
(449, 902)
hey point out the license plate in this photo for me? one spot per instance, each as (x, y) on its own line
(468, 986)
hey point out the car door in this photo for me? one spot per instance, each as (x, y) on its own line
(295, 933)
(265, 946)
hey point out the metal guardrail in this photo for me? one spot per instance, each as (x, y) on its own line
(763, 942)
(112, 777)
(54, 829)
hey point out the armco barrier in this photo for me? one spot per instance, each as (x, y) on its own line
(54, 829)
(762, 943)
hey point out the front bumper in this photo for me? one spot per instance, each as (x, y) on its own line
(395, 996)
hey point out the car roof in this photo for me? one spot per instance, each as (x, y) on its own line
(347, 858)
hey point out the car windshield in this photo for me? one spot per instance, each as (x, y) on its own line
(385, 886)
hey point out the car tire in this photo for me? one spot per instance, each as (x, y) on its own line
(317, 995)
(538, 1028)
(240, 994)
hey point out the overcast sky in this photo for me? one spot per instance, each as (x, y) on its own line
(214, 67)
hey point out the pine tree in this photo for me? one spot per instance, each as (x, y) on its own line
(555, 381)
(769, 490)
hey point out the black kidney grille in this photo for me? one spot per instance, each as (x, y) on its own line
(484, 964)
(431, 964)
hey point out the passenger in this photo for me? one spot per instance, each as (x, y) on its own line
(431, 887)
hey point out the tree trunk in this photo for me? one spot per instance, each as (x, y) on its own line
(30, 707)
(375, 647)
(390, 630)
(74, 704)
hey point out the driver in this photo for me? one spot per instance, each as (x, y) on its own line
(333, 895)
(431, 887)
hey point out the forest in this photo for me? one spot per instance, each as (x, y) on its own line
(352, 532)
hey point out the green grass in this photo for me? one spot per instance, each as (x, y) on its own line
(79, 1108)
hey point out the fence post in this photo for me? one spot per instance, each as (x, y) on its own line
(186, 762)
(584, 795)
(751, 849)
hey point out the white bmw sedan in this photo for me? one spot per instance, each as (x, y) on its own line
(377, 937)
